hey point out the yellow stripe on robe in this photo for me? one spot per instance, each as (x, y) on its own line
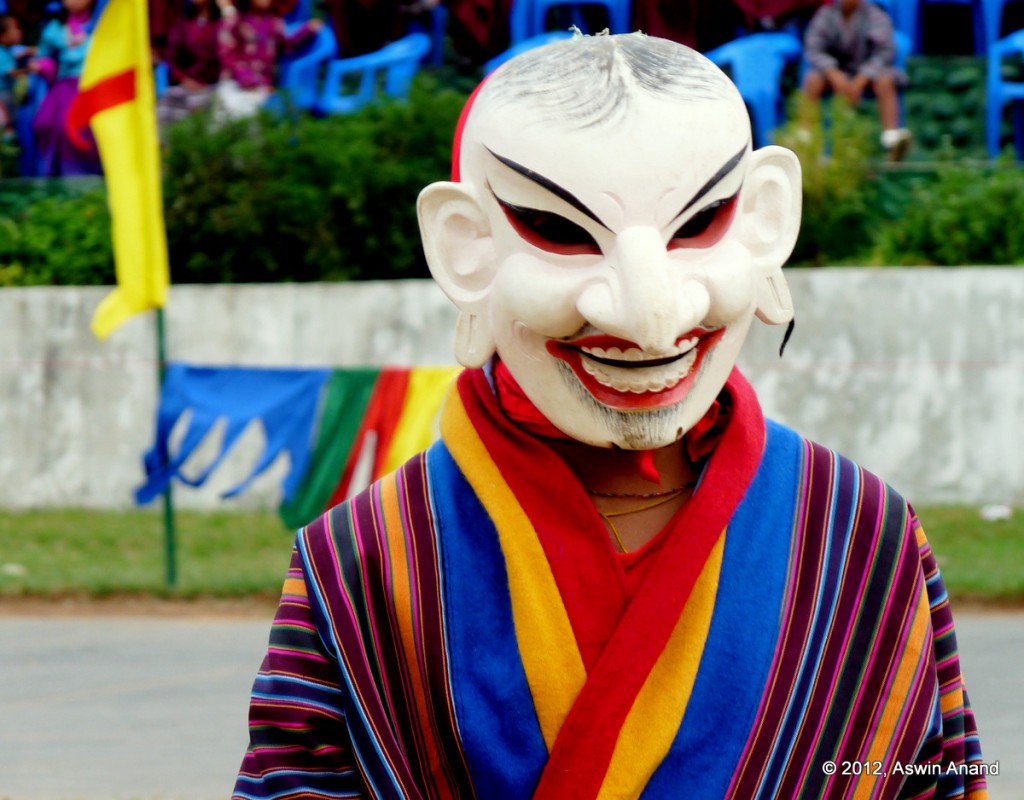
(950, 700)
(551, 658)
(653, 721)
(417, 425)
(295, 587)
(918, 640)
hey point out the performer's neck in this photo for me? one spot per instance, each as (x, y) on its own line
(625, 485)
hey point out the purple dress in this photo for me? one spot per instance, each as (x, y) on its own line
(250, 44)
(62, 51)
(192, 51)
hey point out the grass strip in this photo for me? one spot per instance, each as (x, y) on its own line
(234, 554)
(98, 553)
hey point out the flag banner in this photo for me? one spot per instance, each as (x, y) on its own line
(117, 100)
(339, 429)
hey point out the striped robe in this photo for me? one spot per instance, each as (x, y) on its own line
(461, 629)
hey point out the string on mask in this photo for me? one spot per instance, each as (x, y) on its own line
(785, 338)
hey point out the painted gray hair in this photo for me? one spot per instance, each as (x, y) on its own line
(589, 80)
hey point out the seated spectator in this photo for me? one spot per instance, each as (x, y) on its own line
(193, 61)
(250, 41)
(61, 56)
(31, 14)
(849, 46)
(163, 15)
(13, 66)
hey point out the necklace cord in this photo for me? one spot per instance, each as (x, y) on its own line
(661, 498)
(643, 495)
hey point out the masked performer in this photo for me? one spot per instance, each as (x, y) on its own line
(612, 577)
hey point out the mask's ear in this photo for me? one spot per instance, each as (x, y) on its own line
(460, 253)
(770, 223)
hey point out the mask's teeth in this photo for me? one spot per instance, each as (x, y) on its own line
(635, 354)
(651, 379)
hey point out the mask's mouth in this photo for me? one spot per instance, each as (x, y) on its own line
(621, 374)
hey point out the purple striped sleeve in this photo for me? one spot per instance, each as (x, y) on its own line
(298, 741)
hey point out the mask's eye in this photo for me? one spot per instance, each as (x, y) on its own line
(705, 227)
(549, 231)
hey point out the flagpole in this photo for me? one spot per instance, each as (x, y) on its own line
(117, 101)
(170, 556)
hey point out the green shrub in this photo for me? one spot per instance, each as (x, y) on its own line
(958, 216)
(856, 213)
(291, 197)
(294, 198)
(840, 196)
(8, 155)
(55, 233)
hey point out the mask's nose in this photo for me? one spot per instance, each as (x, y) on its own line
(645, 297)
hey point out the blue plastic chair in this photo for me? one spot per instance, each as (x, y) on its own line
(903, 48)
(528, 18)
(992, 14)
(299, 75)
(390, 69)
(527, 44)
(756, 63)
(438, 29)
(302, 12)
(906, 16)
(1000, 92)
(161, 78)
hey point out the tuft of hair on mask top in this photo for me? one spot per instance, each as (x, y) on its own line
(587, 81)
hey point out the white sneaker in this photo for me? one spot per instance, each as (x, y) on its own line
(896, 142)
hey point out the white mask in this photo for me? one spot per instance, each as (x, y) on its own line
(612, 242)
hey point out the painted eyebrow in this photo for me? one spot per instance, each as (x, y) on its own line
(726, 168)
(551, 186)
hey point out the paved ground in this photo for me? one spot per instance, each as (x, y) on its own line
(154, 708)
(992, 658)
(124, 707)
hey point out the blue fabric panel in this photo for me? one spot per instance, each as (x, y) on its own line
(285, 401)
(744, 630)
(845, 497)
(503, 743)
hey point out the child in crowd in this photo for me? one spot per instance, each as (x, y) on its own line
(850, 47)
(13, 65)
(61, 56)
(193, 61)
(251, 39)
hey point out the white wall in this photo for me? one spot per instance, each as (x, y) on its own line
(916, 373)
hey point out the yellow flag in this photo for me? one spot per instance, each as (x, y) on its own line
(117, 99)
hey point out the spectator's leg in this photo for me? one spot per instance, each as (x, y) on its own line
(814, 85)
(809, 113)
(895, 140)
(888, 101)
